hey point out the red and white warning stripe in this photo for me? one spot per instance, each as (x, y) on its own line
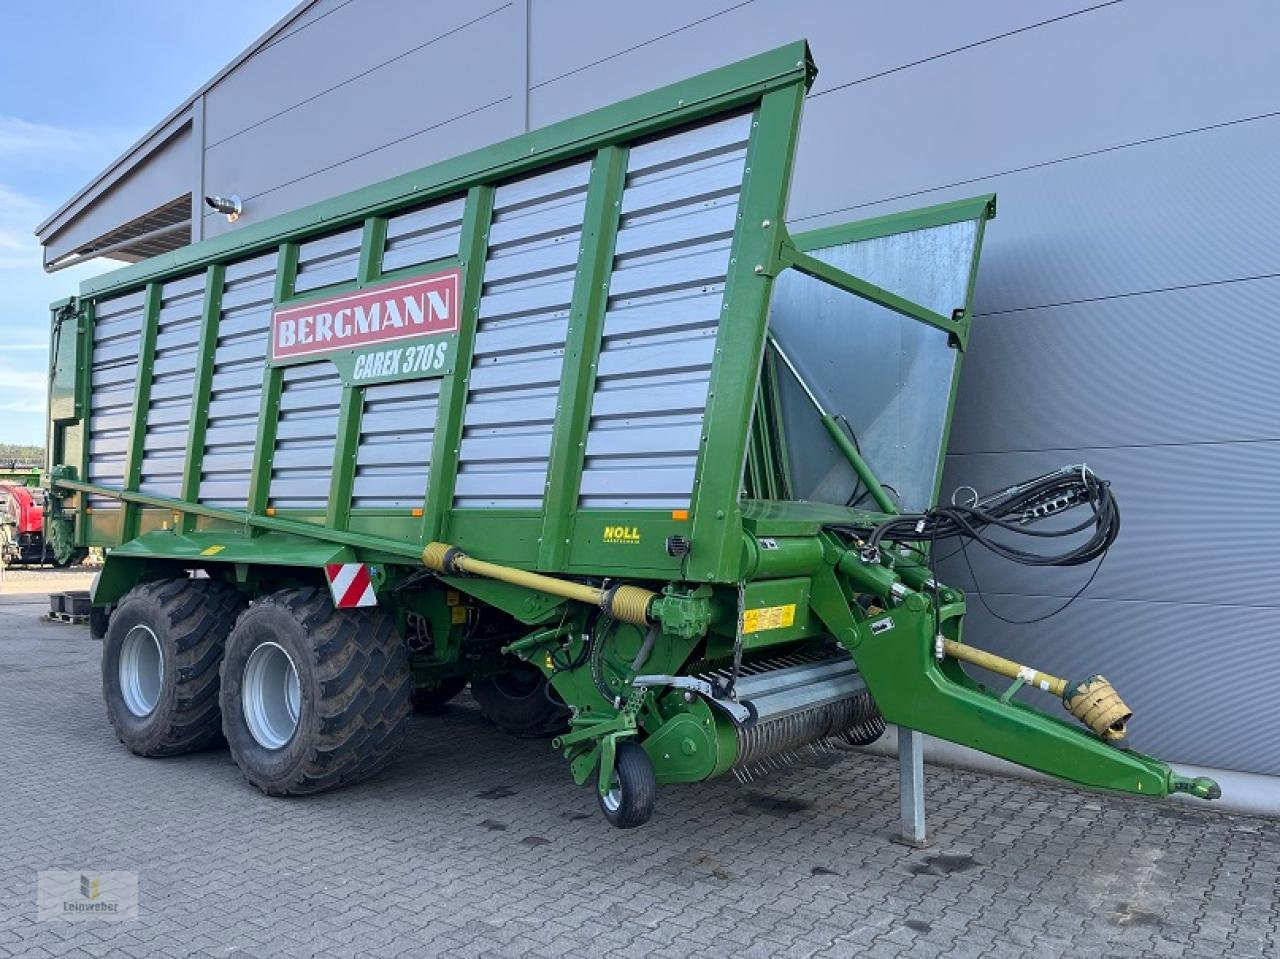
(350, 584)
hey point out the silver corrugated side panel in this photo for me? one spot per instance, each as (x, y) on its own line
(519, 349)
(422, 235)
(328, 260)
(887, 375)
(117, 336)
(235, 394)
(173, 376)
(396, 430)
(679, 208)
(306, 433)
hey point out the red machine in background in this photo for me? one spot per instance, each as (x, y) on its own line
(22, 527)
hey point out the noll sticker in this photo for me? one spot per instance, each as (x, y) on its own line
(768, 617)
(398, 310)
(622, 534)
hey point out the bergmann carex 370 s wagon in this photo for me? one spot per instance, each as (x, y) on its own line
(575, 420)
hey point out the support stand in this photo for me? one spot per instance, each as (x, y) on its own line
(911, 788)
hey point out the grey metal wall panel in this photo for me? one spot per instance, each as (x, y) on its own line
(173, 376)
(580, 60)
(328, 260)
(396, 432)
(341, 47)
(1152, 216)
(1154, 653)
(422, 235)
(405, 97)
(1183, 366)
(1201, 522)
(519, 349)
(117, 336)
(1154, 68)
(470, 131)
(306, 433)
(235, 395)
(679, 208)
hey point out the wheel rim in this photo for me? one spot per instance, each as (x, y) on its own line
(141, 670)
(271, 696)
(613, 798)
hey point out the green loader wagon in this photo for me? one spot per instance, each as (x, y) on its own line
(574, 420)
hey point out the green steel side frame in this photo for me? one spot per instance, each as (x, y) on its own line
(820, 270)
(272, 384)
(141, 407)
(735, 370)
(215, 277)
(351, 406)
(442, 474)
(980, 209)
(557, 536)
(581, 355)
(85, 341)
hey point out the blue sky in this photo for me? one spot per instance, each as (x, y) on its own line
(80, 81)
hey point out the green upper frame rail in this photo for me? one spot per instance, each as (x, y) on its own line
(795, 253)
(980, 207)
(716, 91)
(772, 85)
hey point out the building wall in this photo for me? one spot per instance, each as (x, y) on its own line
(1126, 295)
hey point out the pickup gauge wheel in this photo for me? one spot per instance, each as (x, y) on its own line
(633, 791)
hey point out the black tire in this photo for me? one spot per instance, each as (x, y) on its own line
(74, 558)
(635, 788)
(99, 621)
(354, 684)
(430, 702)
(522, 703)
(190, 620)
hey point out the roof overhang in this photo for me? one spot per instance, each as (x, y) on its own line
(128, 211)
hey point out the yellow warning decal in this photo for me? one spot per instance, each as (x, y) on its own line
(212, 550)
(458, 615)
(768, 617)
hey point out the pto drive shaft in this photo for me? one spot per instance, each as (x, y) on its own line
(1094, 701)
(630, 604)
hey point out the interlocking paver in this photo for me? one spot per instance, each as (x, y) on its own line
(475, 844)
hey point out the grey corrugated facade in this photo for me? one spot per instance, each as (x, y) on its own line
(1128, 288)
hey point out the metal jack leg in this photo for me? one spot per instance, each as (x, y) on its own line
(911, 788)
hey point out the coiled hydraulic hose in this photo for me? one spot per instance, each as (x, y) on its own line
(1015, 510)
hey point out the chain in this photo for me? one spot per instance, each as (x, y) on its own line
(731, 688)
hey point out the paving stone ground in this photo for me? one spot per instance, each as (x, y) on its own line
(476, 844)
